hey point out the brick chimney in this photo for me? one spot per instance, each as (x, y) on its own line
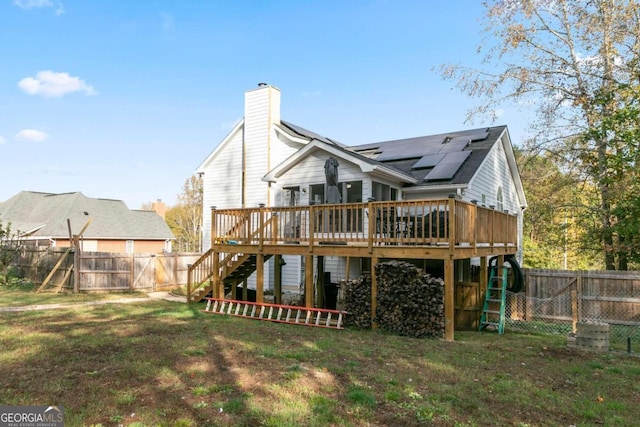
(159, 207)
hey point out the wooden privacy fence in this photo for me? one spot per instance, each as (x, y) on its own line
(101, 271)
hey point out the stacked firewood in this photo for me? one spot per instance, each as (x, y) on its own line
(357, 301)
(409, 301)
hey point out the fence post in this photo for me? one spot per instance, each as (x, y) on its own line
(189, 280)
(76, 266)
(574, 310)
(579, 294)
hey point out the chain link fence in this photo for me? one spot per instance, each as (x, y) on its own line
(554, 301)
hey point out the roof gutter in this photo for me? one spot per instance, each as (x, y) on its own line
(457, 188)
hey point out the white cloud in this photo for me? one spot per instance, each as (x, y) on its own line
(2, 140)
(32, 4)
(37, 4)
(51, 84)
(31, 135)
(168, 22)
(499, 112)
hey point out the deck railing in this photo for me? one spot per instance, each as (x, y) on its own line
(445, 223)
(417, 222)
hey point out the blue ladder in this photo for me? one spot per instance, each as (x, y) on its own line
(493, 311)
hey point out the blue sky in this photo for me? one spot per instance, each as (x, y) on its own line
(124, 99)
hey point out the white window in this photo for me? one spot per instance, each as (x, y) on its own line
(383, 192)
(499, 200)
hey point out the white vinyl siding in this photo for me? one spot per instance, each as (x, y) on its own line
(222, 182)
(492, 175)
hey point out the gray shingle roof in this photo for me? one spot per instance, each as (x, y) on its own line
(308, 134)
(110, 219)
(442, 153)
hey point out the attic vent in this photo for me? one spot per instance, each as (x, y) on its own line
(446, 140)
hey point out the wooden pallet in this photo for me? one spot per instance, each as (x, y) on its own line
(295, 315)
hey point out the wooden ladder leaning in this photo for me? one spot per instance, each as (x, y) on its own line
(493, 311)
(296, 315)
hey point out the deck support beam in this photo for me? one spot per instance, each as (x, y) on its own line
(308, 281)
(277, 285)
(449, 303)
(260, 277)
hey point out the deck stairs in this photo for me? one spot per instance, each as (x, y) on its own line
(493, 311)
(295, 315)
(235, 268)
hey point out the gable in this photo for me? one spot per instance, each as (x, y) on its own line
(364, 164)
(221, 147)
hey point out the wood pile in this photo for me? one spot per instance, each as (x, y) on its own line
(409, 301)
(357, 301)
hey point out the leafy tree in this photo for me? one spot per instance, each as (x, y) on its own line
(9, 246)
(185, 218)
(570, 62)
(553, 237)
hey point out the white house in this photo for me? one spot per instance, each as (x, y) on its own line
(265, 160)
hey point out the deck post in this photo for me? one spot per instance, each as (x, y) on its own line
(371, 223)
(277, 284)
(261, 228)
(449, 303)
(308, 281)
(215, 277)
(213, 225)
(320, 282)
(451, 221)
(484, 283)
(260, 277)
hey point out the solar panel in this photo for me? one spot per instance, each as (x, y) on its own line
(455, 144)
(480, 136)
(428, 161)
(448, 166)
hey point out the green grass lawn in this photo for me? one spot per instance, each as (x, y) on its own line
(160, 363)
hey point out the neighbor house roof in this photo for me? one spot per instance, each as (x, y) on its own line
(47, 215)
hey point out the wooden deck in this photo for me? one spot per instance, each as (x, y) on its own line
(443, 229)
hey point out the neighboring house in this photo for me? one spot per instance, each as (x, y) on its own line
(265, 160)
(45, 219)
